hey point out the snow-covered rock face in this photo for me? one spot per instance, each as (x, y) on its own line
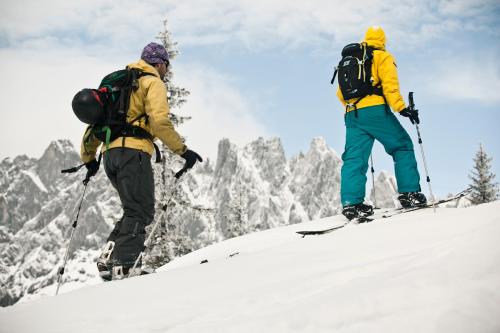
(253, 188)
(386, 191)
(257, 174)
(276, 191)
(315, 180)
(59, 155)
(37, 208)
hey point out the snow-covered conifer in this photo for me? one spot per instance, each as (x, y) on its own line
(484, 189)
(237, 212)
(170, 239)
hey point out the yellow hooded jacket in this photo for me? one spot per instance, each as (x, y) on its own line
(150, 99)
(384, 73)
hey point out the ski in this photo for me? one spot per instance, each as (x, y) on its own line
(358, 220)
(401, 209)
(385, 214)
(439, 202)
(319, 232)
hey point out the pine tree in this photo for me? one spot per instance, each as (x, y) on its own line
(171, 240)
(176, 95)
(236, 215)
(484, 189)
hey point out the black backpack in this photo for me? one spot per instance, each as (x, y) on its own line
(355, 73)
(105, 109)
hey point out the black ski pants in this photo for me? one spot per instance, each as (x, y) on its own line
(131, 174)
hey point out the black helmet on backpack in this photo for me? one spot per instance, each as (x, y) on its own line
(105, 109)
(88, 106)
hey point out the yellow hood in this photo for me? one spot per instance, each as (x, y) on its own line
(375, 36)
(384, 73)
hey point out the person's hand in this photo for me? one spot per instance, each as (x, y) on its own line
(410, 113)
(92, 168)
(191, 157)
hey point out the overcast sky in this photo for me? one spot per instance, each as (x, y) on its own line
(259, 68)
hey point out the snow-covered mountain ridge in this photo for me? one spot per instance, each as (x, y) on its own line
(249, 189)
(416, 272)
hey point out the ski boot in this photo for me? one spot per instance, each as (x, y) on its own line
(412, 199)
(119, 273)
(122, 272)
(357, 211)
(103, 262)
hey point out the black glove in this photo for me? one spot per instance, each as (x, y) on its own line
(410, 113)
(191, 157)
(92, 168)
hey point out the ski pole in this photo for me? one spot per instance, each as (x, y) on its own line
(148, 241)
(412, 106)
(75, 223)
(373, 180)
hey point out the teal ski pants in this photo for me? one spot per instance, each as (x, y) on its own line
(375, 122)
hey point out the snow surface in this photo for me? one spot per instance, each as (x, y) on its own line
(416, 272)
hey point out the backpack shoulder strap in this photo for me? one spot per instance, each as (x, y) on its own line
(377, 90)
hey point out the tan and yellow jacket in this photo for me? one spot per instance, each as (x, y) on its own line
(384, 73)
(150, 99)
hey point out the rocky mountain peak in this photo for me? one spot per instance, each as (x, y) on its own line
(319, 144)
(268, 156)
(60, 154)
(385, 192)
(227, 158)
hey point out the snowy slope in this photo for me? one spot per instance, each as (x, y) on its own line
(417, 272)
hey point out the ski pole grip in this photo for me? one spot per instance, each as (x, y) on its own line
(334, 75)
(410, 98)
(87, 179)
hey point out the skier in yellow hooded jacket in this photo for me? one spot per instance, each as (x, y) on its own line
(127, 162)
(369, 118)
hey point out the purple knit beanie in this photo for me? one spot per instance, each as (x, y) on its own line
(154, 53)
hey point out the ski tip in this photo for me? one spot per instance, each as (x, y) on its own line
(318, 232)
(310, 233)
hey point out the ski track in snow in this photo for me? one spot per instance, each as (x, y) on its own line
(416, 272)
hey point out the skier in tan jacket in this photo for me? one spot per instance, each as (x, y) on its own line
(127, 162)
